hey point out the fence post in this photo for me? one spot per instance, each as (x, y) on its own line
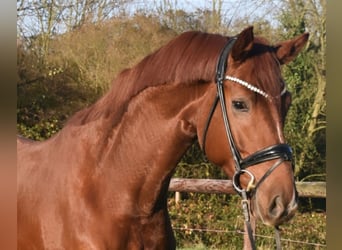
(178, 197)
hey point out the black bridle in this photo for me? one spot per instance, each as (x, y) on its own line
(282, 152)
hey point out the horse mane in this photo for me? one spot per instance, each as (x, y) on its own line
(188, 58)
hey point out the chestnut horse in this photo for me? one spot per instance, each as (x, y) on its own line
(102, 181)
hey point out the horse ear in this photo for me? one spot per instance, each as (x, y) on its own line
(243, 44)
(287, 50)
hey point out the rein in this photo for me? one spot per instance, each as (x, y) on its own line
(282, 152)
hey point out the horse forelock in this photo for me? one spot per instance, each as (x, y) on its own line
(263, 68)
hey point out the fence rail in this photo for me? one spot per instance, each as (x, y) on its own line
(213, 186)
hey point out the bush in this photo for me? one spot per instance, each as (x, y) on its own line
(77, 69)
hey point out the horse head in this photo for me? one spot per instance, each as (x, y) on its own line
(253, 102)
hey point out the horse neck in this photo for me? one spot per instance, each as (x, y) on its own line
(144, 148)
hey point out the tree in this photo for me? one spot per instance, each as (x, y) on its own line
(306, 79)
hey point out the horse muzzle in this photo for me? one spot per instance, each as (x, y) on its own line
(277, 211)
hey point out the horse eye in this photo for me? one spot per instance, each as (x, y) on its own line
(240, 106)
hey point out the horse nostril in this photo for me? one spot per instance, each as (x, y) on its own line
(277, 208)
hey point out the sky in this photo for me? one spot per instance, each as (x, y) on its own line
(239, 8)
(231, 9)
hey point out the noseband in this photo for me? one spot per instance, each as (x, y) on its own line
(282, 152)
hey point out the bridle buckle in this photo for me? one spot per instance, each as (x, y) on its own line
(236, 181)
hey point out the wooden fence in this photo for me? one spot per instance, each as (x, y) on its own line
(213, 186)
(305, 189)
